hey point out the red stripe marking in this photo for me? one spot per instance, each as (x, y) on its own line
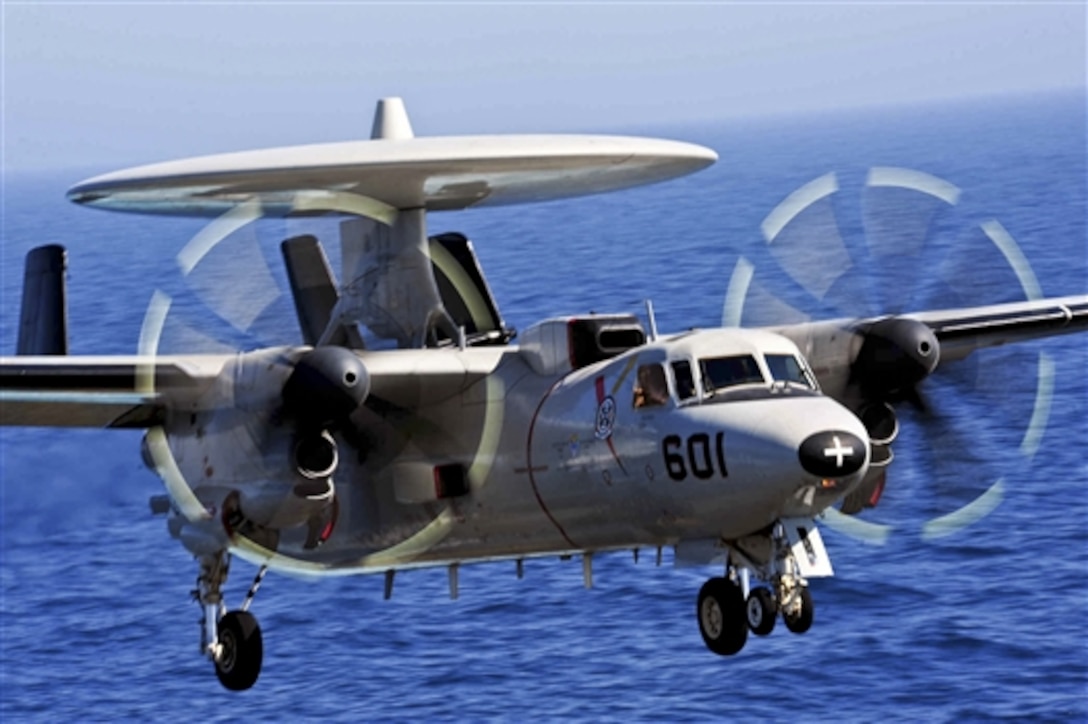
(616, 456)
(529, 463)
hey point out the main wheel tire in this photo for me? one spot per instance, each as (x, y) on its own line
(721, 617)
(761, 611)
(239, 664)
(801, 621)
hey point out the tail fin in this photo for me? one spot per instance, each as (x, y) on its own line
(43, 320)
(314, 291)
(464, 290)
(312, 286)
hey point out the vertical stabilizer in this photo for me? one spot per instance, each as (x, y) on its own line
(313, 289)
(43, 319)
(391, 121)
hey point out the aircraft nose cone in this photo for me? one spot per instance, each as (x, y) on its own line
(833, 453)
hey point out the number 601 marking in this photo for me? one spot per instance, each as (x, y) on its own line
(699, 456)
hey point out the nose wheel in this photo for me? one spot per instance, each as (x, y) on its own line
(721, 616)
(799, 618)
(727, 610)
(726, 616)
(762, 611)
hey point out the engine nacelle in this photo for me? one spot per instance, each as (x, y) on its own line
(257, 449)
(880, 422)
(424, 482)
(274, 505)
(897, 353)
(315, 455)
(290, 503)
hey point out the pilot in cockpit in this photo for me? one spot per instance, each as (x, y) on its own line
(651, 390)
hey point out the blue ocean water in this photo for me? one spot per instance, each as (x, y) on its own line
(990, 623)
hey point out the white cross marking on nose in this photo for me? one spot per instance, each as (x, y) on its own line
(838, 452)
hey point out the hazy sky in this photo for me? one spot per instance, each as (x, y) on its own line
(116, 84)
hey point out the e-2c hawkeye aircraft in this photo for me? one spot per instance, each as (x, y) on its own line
(406, 428)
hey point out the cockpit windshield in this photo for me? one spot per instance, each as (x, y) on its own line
(722, 372)
(787, 368)
(742, 377)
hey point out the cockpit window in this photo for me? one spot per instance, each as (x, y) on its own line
(651, 389)
(722, 372)
(787, 368)
(685, 381)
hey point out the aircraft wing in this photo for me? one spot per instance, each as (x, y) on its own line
(961, 331)
(136, 392)
(109, 392)
(882, 359)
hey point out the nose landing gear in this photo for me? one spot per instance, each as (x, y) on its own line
(761, 609)
(721, 616)
(784, 556)
(798, 617)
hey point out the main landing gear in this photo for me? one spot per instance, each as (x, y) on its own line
(728, 609)
(231, 639)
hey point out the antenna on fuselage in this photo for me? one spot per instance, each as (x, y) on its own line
(651, 319)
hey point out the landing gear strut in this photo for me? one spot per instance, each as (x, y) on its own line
(232, 640)
(782, 556)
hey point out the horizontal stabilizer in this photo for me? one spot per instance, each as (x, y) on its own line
(43, 320)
